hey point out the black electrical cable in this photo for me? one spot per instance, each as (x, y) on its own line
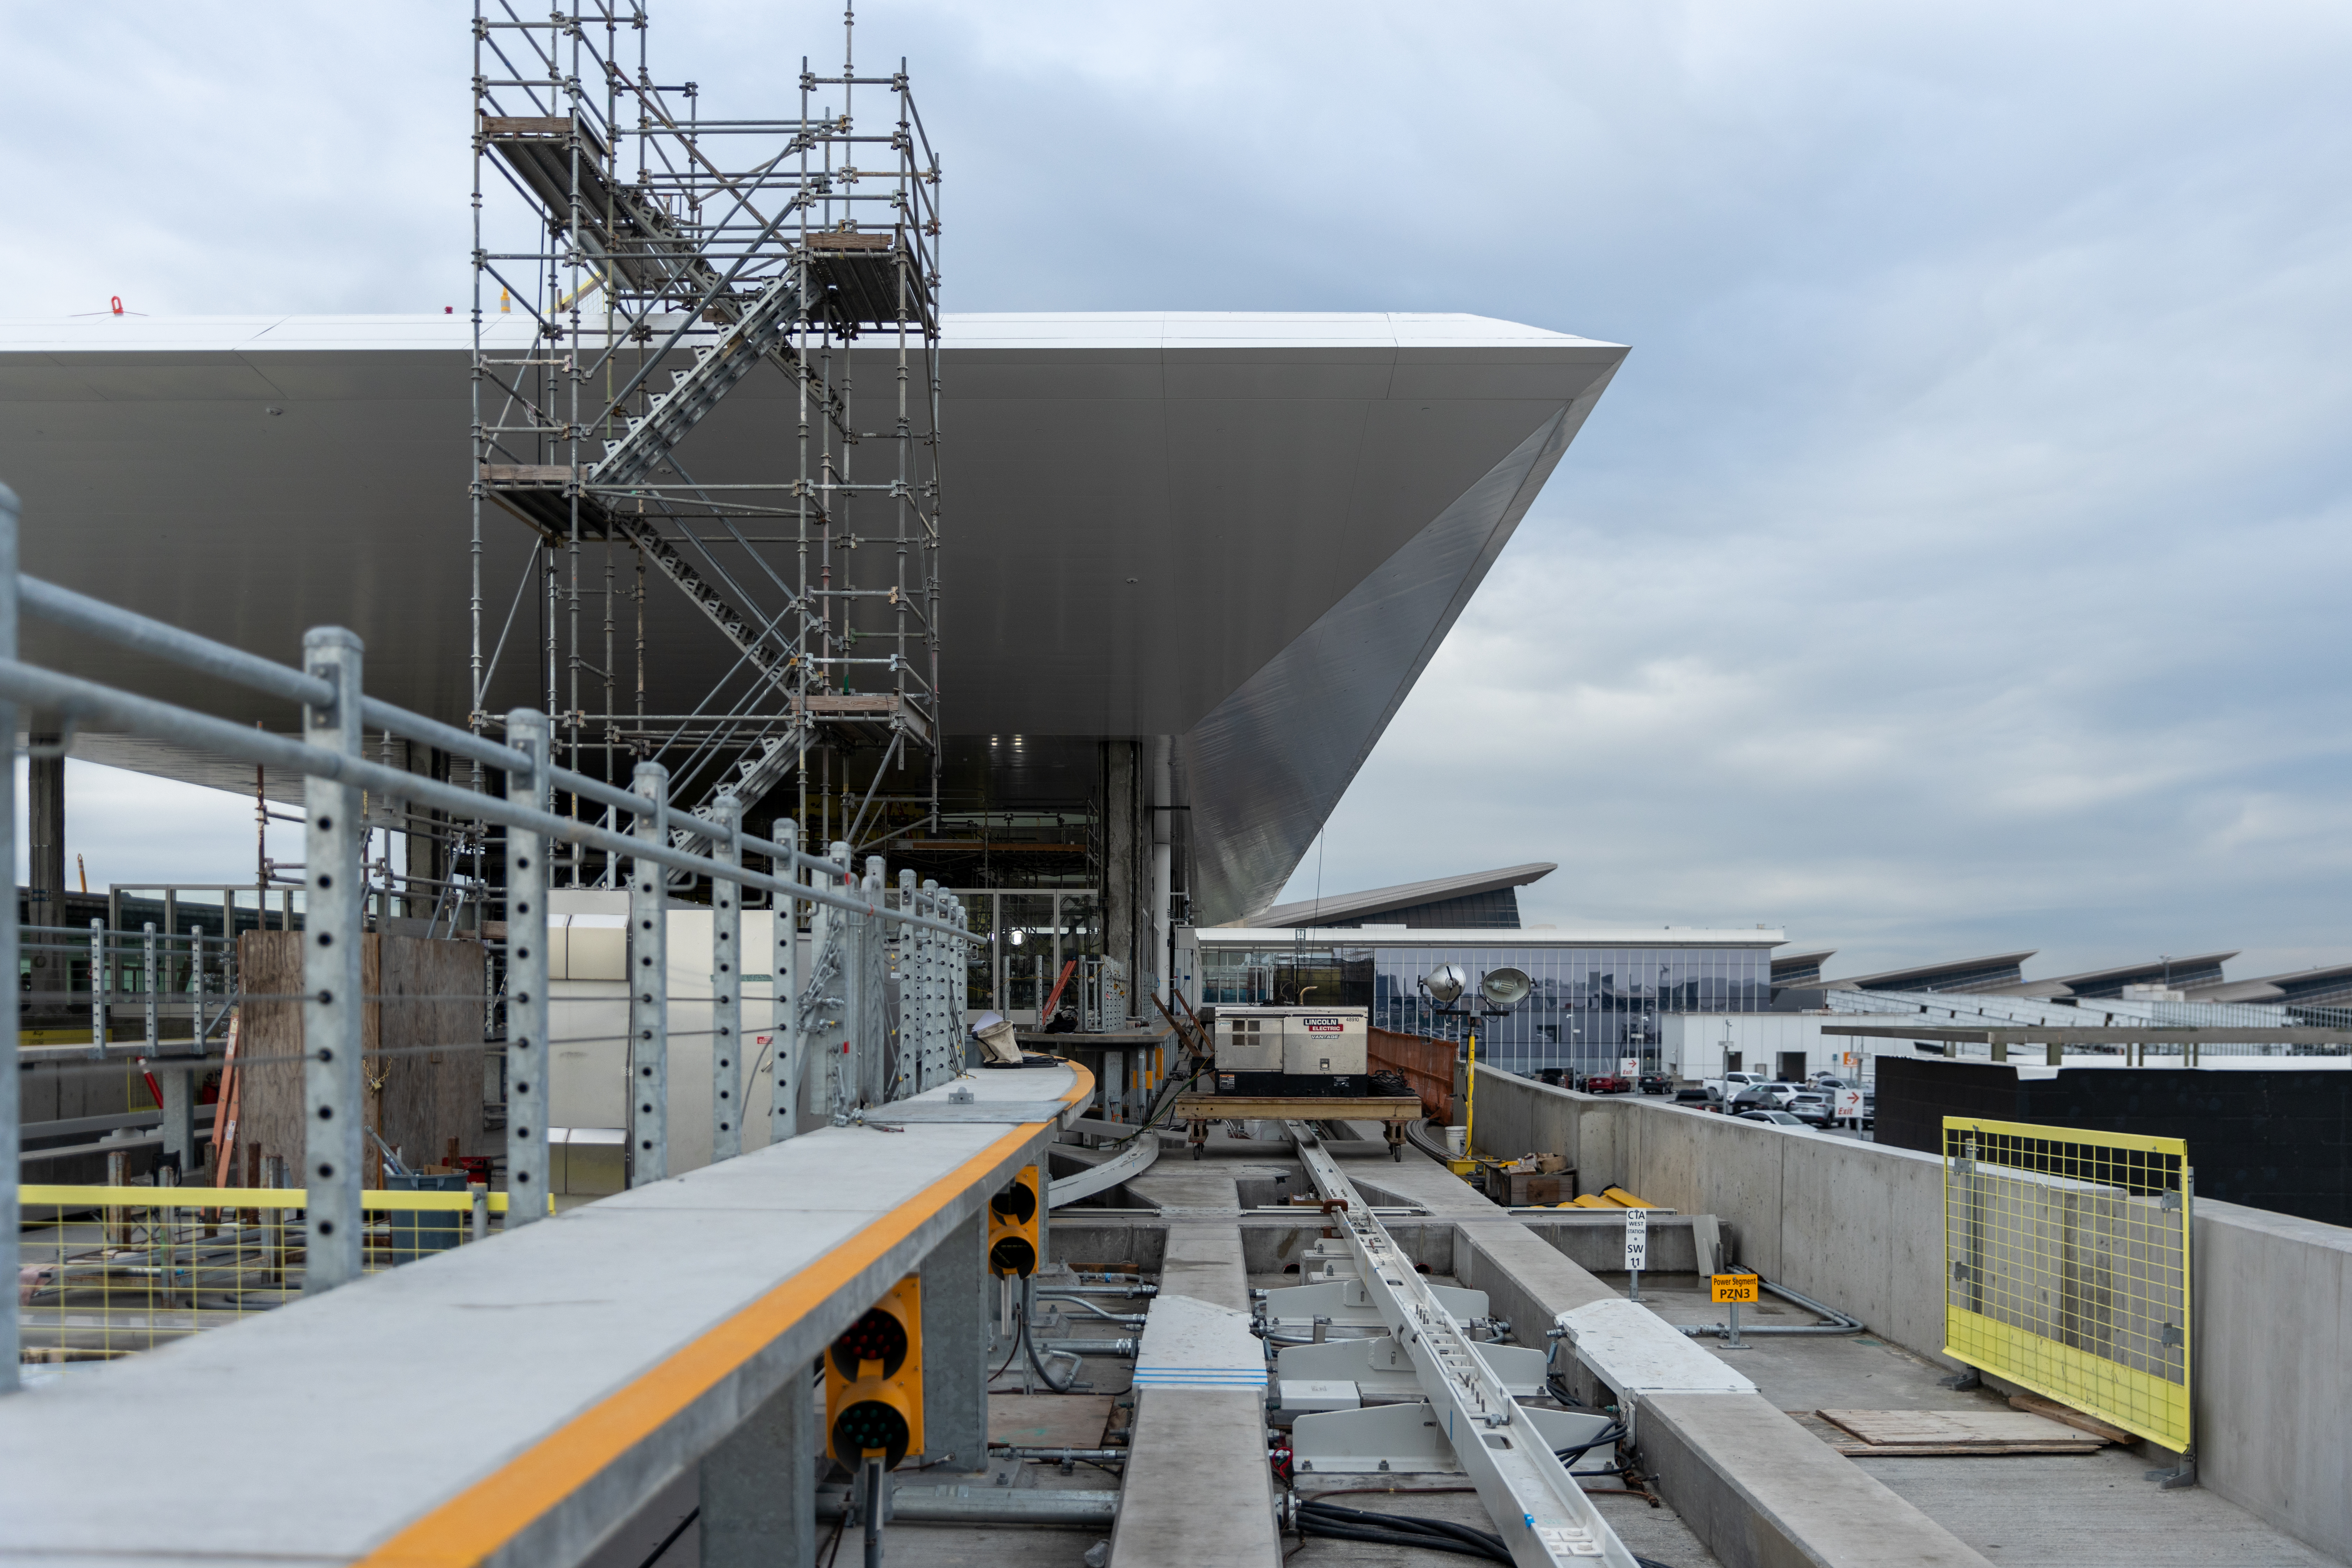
(1315, 1523)
(1028, 1308)
(1469, 1535)
(1615, 1432)
(1331, 1520)
(671, 1539)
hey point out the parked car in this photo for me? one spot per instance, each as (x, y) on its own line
(1764, 1096)
(1606, 1083)
(1775, 1118)
(1814, 1110)
(1657, 1083)
(1695, 1097)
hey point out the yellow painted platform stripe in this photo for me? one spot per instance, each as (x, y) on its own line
(486, 1515)
(80, 1196)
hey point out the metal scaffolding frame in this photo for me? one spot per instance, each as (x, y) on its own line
(634, 261)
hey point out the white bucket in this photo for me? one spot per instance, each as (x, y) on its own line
(1457, 1141)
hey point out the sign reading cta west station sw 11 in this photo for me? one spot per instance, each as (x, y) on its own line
(1637, 1240)
(1735, 1289)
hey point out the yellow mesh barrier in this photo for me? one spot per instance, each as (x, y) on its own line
(108, 1272)
(2067, 1267)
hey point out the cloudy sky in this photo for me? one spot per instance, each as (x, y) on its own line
(1959, 562)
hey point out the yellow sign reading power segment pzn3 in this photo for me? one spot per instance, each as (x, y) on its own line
(1739, 1290)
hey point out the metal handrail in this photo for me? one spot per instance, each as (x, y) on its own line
(930, 922)
(68, 694)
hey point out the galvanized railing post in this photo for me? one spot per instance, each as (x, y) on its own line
(927, 903)
(784, 971)
(333, 941)
(960, 986)
(935, 904)
(649, 987)
(876, 1083)
(727, 987)
(910, 990)
(842, 934)
(11, 1140)
(97, 986)
(529, 1176)
(147, 989)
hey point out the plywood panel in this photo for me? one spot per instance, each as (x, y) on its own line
(421, 1045)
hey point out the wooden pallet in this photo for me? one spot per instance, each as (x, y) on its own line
(1890, 1434)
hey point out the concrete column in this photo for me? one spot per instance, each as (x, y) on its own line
(955, 1348)
(1163, 797)
(179, 1116)
(11, 1088)
(758, 1485)
(1122, 899)
(45, 820)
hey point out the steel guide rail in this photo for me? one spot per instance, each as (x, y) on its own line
(1542, 1514)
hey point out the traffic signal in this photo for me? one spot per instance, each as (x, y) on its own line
(1012, 1224)
(874, 1382)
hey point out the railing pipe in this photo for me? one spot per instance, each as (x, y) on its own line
(142, 633)
(528, 1057)
(127, 628)
(34, 686)
(332, 942)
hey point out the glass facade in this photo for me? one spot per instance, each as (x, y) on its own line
(1591, 1007)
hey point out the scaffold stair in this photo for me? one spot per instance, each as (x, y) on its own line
(755, 774)
(695, 392)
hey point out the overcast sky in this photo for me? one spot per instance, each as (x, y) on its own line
(1958, 563)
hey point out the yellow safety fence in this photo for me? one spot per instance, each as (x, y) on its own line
(2067, 1267)
(107, 1272)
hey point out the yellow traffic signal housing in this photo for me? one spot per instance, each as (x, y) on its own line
(874, 1382)
(1012, 1224)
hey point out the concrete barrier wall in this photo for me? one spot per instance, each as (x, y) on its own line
(1861, 1227)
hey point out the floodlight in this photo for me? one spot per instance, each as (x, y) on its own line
(1506, 987)
(1445, 984)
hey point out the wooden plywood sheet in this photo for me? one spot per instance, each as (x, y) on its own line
(422, 1048)
(1048, 1420)
(1948, 1432)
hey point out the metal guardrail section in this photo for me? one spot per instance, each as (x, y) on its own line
(334, 713)
(2066, 1267)
(1544, 1518)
